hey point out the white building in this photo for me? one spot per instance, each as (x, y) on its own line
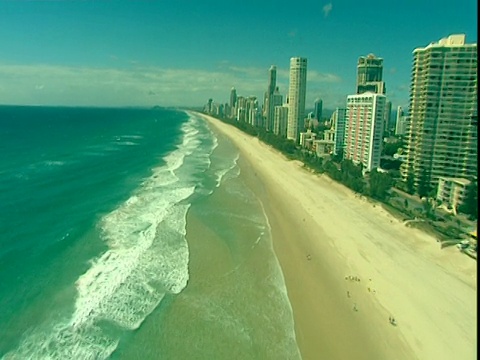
(387, 115)
(364, 129)
(252, 112)
(233, 102)
(441, 138)
(401, 122)
(307, 138)
(451, 192)
(370, 74)
(280, 120)
(268, 101)
(240, 108)
(296, 97)
(323, 148)
(337, 120)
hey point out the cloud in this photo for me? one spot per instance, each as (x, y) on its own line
(139, 86)
(85, 86)
(315, 76)
(250, 72)
(326, 9)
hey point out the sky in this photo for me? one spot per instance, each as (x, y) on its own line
(181, 53)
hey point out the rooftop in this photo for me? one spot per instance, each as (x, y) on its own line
(462, 181)
(454, 40)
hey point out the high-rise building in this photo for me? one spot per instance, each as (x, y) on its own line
(400, 113)
(210, 106)
(401, 125)
(233, 101)
(252, 111)
(441, 138)
(241, 108)
(317, 112)
(337, 120)
(268, 103)
(296, 97)
(370, 75)
(387, 115)
(401, 122)
(364, 129)
(280, 120)
(277, 98)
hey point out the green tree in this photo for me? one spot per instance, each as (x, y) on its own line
(338, 157)
(410, 182)
(379, 185)
(351, 176)
(391, 148)
(423, 184)
(332, 170)
(432, 198)
(427, 207)
(470, 204)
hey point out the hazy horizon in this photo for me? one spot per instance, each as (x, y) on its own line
(103, 54)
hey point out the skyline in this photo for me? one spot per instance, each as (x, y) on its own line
(95, 53)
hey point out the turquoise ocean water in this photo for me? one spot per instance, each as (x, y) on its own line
(129, 233)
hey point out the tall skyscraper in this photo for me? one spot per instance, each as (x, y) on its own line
(252, 111)
(401, 122)
(280, 120)
(400, 113)
(241, 108)
(233, 101)
(387, 115)
(441, 139)
(364, 129)
(277, 98)
(318, 109)
(209, 106)
(337, 120)
(268, 103)
(370, 75)
(296, 97)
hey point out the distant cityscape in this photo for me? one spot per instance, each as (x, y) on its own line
(435, 140)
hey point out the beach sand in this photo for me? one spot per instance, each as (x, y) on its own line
(349, 266)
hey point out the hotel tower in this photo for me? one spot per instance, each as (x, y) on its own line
(318, 109)
(441, 137)
(268, 102)
(233, 102)
(370, 75)
(364, 129)
(296, 97)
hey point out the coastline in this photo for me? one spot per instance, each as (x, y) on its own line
(322, 234)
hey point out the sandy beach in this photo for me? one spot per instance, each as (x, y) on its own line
(349, 266)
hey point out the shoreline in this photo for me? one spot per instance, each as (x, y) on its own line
(326, 325)
(322, 234)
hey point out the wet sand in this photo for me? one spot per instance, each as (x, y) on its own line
(349, 266)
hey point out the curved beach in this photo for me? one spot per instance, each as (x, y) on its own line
(349, 266)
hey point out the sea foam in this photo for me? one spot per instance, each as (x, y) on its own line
(146, 258)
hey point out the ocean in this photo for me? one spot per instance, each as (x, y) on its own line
(130, 234)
